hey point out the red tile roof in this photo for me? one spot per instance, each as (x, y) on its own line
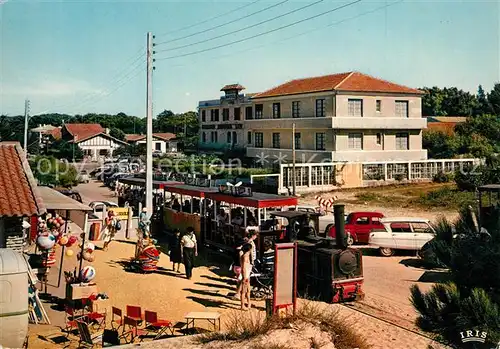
(165, 136)
(133, 137)
(349, 82)
(18, 192)
(56, 133)
(445, 127)
(83, 131)
(232, 87)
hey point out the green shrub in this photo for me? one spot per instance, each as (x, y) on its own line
(442, 177)
(446, 198)
(50, 171)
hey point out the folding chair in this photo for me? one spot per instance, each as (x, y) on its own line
(70, 320)
(116, 312)
(135, 313)
(86, 339)
(159, 327)
(94, 317)
(131, 327)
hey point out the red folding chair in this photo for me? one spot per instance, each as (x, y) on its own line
(135, 313)
(70, 320)
(159, 327)
(94, 317)
(131, 327)
(116, 312)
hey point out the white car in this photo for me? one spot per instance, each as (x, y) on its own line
(98, 206)
(402, 234)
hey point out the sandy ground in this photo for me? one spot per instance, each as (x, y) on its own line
(387, 282)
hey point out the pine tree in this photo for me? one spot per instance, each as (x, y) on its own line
(472, 299)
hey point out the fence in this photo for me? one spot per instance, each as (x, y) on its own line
(316, 177)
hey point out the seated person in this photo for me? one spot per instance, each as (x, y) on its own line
(237, 220)
(268, 257)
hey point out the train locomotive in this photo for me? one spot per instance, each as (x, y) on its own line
(327, 270)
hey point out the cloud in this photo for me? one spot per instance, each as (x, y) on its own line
(54, 88)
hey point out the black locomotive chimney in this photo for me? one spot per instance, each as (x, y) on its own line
(340, 240)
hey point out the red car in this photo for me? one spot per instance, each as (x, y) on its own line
(358, 226)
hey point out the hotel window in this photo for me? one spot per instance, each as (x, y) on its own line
(378, 106)
(203, 115)
(402, 141)
(249, 137)
(259, 139)
(355, 141)
(276, 110)
(402, 109)
(296, 109)
(229, 137)
(235, 137)
(354, 107)
(248, 113)
(297, 140)
(379, 138)
(212, 114)
(320, 107)
(216, 114)
(204, 137)
(259, 111)
(276, 140)
(225, 114)
(213, 137)
(320, 141)
(237, 113)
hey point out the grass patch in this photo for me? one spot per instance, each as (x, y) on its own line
(368, 196)
(445, 197)
(244, 327)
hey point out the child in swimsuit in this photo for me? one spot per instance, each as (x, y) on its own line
(246, 270)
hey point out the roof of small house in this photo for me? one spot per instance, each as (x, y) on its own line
(19, 195)
(349, 82)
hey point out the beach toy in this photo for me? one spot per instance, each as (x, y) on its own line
(69, 253)
(87, 274)
(71, 240)
(63, 240)
(46, 242)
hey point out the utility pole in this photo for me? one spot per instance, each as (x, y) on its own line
(149, 127)
(26, 116)
(293, 158)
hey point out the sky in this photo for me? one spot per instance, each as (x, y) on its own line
(80, 57)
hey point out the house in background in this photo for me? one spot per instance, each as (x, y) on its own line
(162, 142)
(222, 120)
(445, 124)
(92, 139)
(347, 117)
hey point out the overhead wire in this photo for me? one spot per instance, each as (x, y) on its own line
(298, 35)
(244, 28)
(209, 19)
(260, 34)
(223, 24)
(115, 79)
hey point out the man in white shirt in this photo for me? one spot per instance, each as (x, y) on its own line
(189, 250)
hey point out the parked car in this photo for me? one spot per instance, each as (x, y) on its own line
(83, 177)
(402, 234)
(98, 206)
(326, 220)
(358, 226)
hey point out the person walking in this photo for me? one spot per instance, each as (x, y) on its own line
(175, 250)
(110, 230)
(246, 270)
(189, 250)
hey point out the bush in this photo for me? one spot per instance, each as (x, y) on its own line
(471, 301)
(50, 171)
(367, 196)
(442, 177)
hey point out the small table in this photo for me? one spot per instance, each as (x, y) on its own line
(212, 317)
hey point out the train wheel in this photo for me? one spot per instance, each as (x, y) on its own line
(386, 252)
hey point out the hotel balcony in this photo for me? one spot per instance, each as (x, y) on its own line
(355, 123)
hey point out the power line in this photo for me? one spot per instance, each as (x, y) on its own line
(261, 34)
(210, 19)
(116, 78)
(244, 28)
(223, 24)
(298, 35)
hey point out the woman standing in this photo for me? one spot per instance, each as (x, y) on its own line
(246, 270)
(175, 250)
(110, 230)
(189, 250)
